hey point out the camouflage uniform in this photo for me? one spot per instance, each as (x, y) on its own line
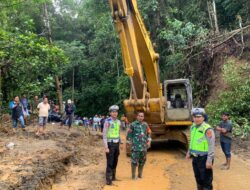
(139, 134)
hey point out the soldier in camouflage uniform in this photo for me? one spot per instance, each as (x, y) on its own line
(139, 139)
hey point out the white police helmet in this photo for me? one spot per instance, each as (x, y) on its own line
(198, 112)
(114, 108)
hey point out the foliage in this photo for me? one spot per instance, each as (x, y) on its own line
(178, 36)
(84, 37)
(236, 100)
(229, 10)
(29, 63)
(122, 88)
(93, 50)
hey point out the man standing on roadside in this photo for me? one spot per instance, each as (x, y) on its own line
(25, 103)
(69, 111)
(102, 121)
(43, 108)
(139, 139)
(17, 113)
(112, 141)
(225, 130)
(201, 150)
(95, 122)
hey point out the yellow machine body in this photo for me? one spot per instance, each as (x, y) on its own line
(140, 62)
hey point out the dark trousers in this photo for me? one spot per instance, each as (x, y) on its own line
(226, 148)
(203, 176)
(112, 160)
(69, 118)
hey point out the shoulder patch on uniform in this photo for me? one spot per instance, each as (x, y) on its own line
(106, 124)
(209, 133)
(149, 130)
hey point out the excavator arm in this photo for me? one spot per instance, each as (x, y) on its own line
(140, 62)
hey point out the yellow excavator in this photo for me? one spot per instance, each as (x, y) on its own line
(167, 106)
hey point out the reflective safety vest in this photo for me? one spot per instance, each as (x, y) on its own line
(198, 141)
(113, 130)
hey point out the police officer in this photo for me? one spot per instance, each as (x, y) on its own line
(139, 139)
(201, 149)
(112, 141)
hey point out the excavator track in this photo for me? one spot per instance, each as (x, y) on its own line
(186, 133)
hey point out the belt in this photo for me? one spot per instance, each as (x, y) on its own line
(113, 140)
(197, 155)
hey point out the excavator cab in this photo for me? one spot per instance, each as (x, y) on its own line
(178, 95)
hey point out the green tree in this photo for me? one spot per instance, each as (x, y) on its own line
(28, 63)
(236, 99)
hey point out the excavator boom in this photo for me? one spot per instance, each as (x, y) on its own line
(169, 114)
(139, 59)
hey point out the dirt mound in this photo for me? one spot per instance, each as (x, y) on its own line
(206, 73)
(218, 84)
(241, 148)
(5, 124)
(37, 163)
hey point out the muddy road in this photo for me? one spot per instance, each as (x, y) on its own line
(167, 169)
(75, 160)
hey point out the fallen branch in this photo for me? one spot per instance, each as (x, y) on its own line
(212, 47)
(232, 33)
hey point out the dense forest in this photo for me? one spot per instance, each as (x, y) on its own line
(69, 49)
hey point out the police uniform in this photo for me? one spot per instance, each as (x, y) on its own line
(138, 136)
(201, 149)
(111, 138)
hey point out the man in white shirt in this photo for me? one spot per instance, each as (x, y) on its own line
(95, 122)
(43, 113)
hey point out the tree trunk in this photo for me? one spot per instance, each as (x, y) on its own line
(117, 64)
(215, 18)
(59, 93)
(73, 84)
(248, 11)
(49, 37)
(210, 16)
(211, 6)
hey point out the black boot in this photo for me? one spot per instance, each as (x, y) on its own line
(140, 169)
(113, 175)
(199, 187)
(133, 171)
(108, 179)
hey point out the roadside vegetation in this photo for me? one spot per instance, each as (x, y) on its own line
(235, 98)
